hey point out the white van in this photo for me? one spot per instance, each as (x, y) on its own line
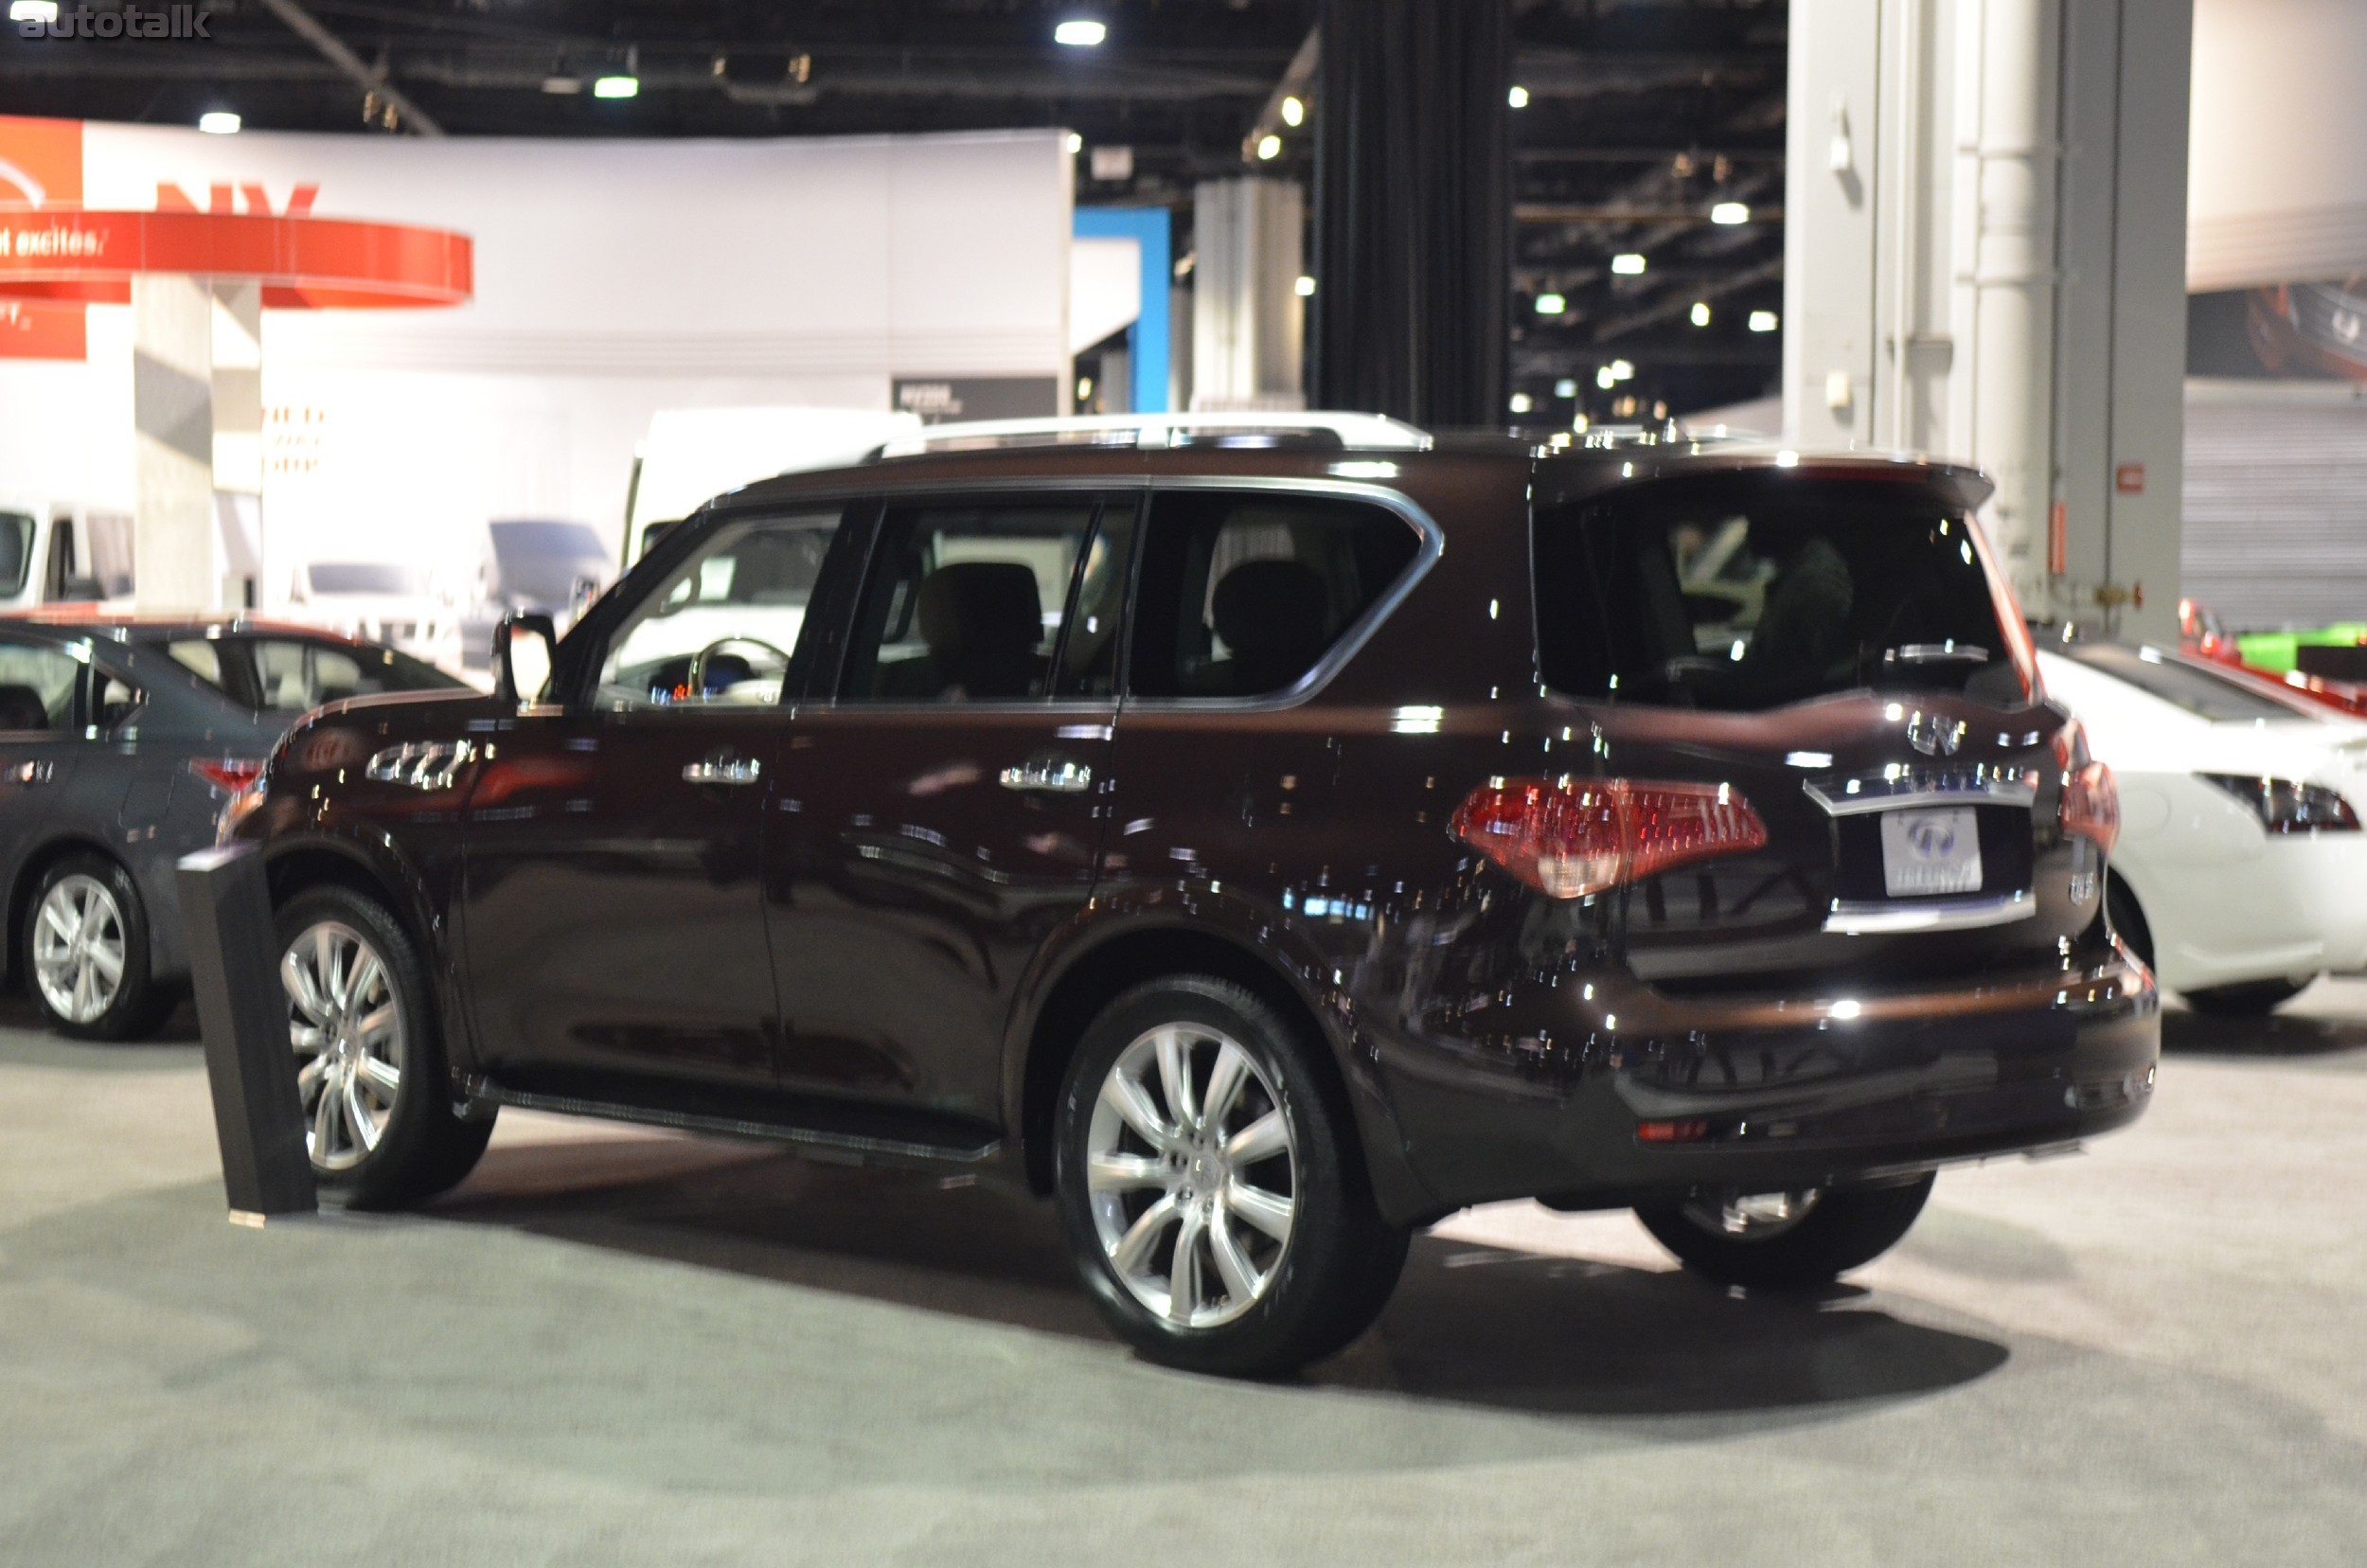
(54, 553)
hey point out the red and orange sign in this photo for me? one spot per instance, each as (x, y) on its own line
(56, 255)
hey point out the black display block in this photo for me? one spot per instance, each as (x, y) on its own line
(234, 964)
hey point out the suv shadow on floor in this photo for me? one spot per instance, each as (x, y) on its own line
(1470, 1324)
(2280, 1034)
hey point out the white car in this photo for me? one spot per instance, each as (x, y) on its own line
(2241, 870)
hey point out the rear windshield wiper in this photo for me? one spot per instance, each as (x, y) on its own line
(1938, 652)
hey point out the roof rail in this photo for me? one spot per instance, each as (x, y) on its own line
(1355, 431)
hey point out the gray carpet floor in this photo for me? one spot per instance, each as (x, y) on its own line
(617, 1346)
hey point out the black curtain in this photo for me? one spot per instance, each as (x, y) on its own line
(1412, 209)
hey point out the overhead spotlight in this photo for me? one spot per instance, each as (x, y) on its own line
(1294, 112)
(1565, 388)
(1605, 379)
(1626, 264)
(1080, 34)
(1620, 370)
(1551, 304)
(1521, 402)
(1701, 313)
(33, 10)
(1518, 97)
(219, 122)
(1730, 213)
(1075, 143)
(560, 86)
(1763, 321)
(616, 87)
(1306, 287)
(1269, 146)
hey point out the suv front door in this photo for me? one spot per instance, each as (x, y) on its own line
(942, 798)
(614, 842)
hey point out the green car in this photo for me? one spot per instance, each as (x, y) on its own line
(2275, 651)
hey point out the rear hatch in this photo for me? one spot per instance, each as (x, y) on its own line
(1835, 647)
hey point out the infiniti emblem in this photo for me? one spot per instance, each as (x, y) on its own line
(1934, 736)
(1931, 837)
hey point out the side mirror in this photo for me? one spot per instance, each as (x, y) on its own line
(522, 647)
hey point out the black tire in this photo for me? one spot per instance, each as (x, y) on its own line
(140, 1003)
(1315, 1290)
(2255, 999)
(1844, 1229)
(423, 1146)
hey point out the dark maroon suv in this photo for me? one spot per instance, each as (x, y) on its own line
(1264, 838)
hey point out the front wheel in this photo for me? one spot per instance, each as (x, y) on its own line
(378, 1121)
(1210, 1186)
(2255, 999)
(1784, 1241)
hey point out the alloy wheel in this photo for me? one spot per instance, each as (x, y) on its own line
(1192, 1172)
(1750, 1216)
(78, 948)
(346, 1022)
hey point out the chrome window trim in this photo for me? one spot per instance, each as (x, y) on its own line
(1874, 793)
(1877, 916)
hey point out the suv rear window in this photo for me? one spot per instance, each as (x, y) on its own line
(1750, 590)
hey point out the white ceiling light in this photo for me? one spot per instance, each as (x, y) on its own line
(1763, 321)
(1626, 264)
(616, 87)
(1701, 313)
(219, 122)
(1565, 388)
(1605, 379)
(1730, 212)
(1521, 402)
(1294, 112)
(1306, 287)
(1551, 304)
(1080, 34)
(33, 10)
(562, 85)
(1621, 370)
(1075, 143)
(1518, 97)
(1269, 146)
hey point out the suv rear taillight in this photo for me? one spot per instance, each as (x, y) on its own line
(1569, 837)
(2091, 801)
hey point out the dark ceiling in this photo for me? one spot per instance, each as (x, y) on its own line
(1640, 114)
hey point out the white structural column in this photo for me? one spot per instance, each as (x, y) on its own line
(173, 402)
(238, 385)
(1248, 321)
(1983, 259)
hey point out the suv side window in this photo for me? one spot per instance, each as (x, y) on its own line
(1241, 594)
(36, 688)
(990, 602)
(723, 626)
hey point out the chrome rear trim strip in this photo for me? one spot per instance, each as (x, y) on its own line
(1855, 796)
(1873, 917)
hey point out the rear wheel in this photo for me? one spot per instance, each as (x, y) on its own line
(86, 947)
(377, 1102)
(2256, 999)
(1210, 1186)
(1784, 1241)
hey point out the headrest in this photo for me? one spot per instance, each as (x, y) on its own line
(21, 708)
(1273, 609)
(981, 607)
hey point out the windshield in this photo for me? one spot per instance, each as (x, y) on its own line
(1749, 591)
(2194, 688)
(16, 551)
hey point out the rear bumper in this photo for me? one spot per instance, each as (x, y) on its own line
(1628, 1093)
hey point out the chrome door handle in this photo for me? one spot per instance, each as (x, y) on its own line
(716, 771)
(1058, 778)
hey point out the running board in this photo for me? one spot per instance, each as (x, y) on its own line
(848, 1148)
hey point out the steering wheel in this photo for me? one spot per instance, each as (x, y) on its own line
(698, 681)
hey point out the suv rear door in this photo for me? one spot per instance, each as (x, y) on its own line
(942, 791)
(1840, 650)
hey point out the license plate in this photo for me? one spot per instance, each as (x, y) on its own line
(1933, 851)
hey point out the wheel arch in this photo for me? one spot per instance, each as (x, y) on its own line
(1101, 965)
